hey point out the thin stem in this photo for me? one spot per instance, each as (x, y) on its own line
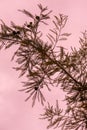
(57, 37)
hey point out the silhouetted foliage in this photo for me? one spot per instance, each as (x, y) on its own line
(45, 64)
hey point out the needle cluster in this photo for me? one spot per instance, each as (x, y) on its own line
(45, 64)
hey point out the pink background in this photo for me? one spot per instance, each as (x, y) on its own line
(15, 114)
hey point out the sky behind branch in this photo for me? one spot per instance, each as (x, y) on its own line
(15, 114)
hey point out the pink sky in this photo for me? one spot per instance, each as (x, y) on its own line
(15, 114)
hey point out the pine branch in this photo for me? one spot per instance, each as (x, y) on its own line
(46, 64)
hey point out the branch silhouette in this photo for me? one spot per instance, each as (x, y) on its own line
(45, 64)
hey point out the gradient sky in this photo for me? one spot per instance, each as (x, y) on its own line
(15, 114)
